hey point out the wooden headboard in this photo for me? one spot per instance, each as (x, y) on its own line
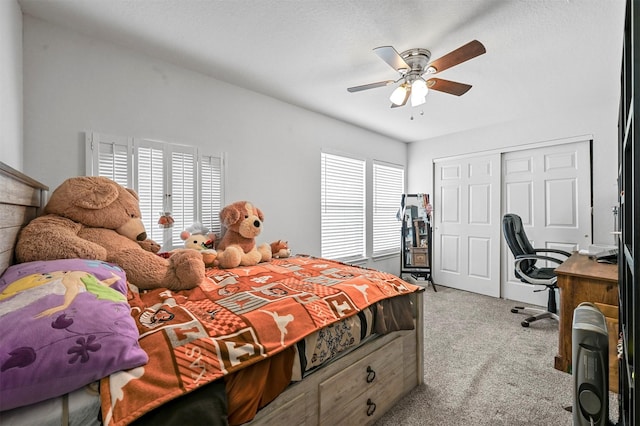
(21, 199)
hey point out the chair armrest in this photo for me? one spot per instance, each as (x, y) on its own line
(529, 279)
(536, 257)
(562, 252)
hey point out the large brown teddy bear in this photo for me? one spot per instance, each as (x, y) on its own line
(96, 218)
(238, 246)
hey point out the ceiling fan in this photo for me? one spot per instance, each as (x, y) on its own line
(414, 68)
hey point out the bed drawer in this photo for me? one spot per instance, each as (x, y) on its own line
(365, 390)
(290, 413)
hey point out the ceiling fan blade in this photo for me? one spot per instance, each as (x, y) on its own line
(392, 57)
(370, 86)
(447, 86)
(468, 51)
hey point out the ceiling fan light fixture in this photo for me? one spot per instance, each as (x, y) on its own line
(399, 95)
(417, 100)
(419, 92)
(419, 87)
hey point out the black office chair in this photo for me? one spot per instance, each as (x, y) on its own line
(525, 266)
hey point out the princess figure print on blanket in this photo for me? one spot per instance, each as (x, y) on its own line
(33, 287)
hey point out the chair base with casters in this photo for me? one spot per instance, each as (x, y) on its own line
(551, 311)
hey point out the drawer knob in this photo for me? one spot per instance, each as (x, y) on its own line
(371, 407)
(371, 375)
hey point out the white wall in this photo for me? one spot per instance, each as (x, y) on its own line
(74, 83)
(589, 121)
(11, 84)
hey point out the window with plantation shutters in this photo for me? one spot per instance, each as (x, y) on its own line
(167, 177)
(388, 187)
(343, 207)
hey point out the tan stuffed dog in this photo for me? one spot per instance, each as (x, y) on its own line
(238, 246)
(96, 218)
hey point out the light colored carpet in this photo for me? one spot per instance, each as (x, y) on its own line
(483, 368)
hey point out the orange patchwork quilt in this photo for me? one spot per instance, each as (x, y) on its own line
(234, 319)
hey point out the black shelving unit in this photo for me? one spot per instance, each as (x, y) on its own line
(416, 256)
(629, 209)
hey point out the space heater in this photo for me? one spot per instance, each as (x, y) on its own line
(590, 352)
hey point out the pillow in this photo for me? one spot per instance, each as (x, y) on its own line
(63, 324)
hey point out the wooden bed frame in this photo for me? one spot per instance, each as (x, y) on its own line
(355, 389)
(21, 199)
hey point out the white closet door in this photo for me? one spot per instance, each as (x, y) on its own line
(550, 189)
(467, 224)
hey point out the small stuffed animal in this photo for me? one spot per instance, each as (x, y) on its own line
(166, 221)
(90, 217)
(238, 246)
(197, 237)
(150, 245)
(280, 249)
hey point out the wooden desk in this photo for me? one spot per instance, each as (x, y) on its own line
(582, 279)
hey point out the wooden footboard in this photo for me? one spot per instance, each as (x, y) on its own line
(357, 388)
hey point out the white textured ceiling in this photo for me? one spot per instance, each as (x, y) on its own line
(543, 56)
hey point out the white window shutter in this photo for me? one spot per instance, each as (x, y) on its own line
(388, 187)
(110, 156)
(211, 194)
(182, 173)
(149, 161)
(343, 207)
